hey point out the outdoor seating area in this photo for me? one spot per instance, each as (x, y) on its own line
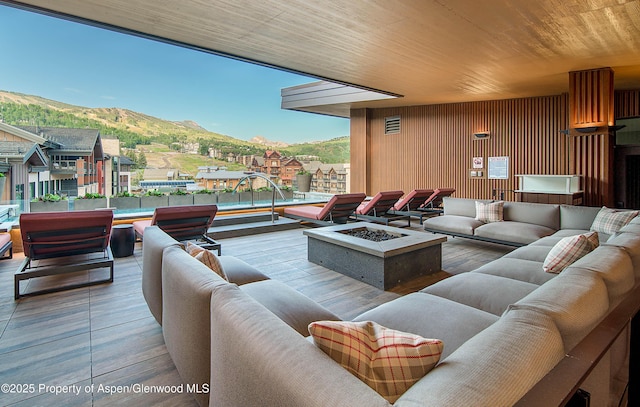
(510, 131)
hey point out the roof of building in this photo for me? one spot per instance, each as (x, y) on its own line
(24, 152)
(81, 142)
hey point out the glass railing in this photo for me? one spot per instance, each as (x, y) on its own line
(140, 206)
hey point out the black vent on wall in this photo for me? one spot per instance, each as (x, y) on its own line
(392, 125)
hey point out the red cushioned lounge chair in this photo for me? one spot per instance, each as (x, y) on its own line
(377, 209)
(337, 210)
(188, 222)
(434, 202)
(64, 242)
(411, 202)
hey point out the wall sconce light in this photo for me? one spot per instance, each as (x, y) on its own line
(481, 135)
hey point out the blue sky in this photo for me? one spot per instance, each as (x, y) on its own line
(87, 66)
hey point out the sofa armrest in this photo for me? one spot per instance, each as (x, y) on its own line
(155, 242)
(186, 296)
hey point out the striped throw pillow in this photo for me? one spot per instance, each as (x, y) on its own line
(388, 361)
(489, 212)
(210, 260)
(610, 221)
(565, 252)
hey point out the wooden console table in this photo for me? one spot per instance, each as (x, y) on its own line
(551, 189)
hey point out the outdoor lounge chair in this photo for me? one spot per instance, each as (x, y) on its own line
(188, 222)
(411, 202)
(6, 246)
(64, 242)
(337, 210)
(434, 202)
(377, 209)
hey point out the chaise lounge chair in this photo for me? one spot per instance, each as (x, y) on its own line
(409, 205)
(337, 210)
(433, 204)
(189, 222)
(64, 242)
(377, 209)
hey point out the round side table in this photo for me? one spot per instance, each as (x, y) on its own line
(123, 240)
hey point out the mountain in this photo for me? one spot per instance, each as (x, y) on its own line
(263, 141)
(134, 129)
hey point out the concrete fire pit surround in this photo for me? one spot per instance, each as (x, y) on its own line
(381, 264)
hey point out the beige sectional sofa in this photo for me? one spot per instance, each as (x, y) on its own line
(504, 325)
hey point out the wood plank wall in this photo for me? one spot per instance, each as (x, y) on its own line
(435, 146)
(627, 104)
(591, 98)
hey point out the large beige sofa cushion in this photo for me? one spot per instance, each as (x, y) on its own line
(534, 213)
(294, 308)
(257, 360)
(575, 302)
(461, 225)
(155, 242)
(186, 296)
(494, 368)
(461, 206)
(431, 316)
(524, 270)
(530, 252)
(613, 265)
(511, 231)
(577, 217)
(630, 242)
(486, 292)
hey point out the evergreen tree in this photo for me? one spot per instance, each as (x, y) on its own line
(142, 160)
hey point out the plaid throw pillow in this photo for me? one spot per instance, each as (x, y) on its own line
(610, 221)
(489, 212)
(388, 361)
(193, 249)
(565, 252)
(593, 238)
(210, 260)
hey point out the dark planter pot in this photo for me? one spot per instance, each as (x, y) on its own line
(304, 182)
(180, 200)
(124, 202)
(89, 204)
(152, 202)
(205, 199)
(60, 206)
(228, 197)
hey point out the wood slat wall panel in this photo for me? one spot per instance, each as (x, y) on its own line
(591, 98)
(435, 146)
(627, 103)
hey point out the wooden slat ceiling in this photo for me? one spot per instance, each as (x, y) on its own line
(428, 51)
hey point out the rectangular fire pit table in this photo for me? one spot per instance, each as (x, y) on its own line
(383, 264)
